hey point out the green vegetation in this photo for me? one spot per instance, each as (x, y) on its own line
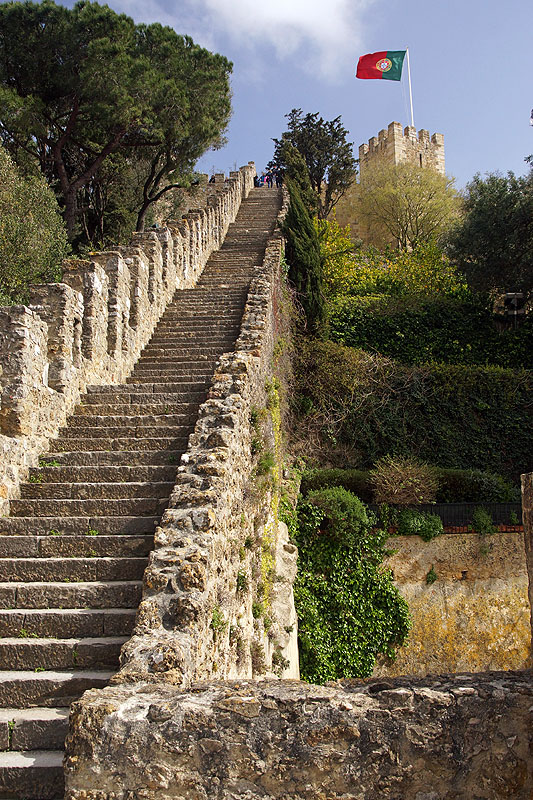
(453, 485)
(113, 114)
(405, 205)
(410, 522)
(348, 608)
(492, 244)
(302, 251)
(431, 577)
(32, 237)
(328, 156)
(449, 330)
(355, 408)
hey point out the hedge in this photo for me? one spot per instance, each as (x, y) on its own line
(444, 330)
(361, 407)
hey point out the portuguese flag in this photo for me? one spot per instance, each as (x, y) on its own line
(385, 65)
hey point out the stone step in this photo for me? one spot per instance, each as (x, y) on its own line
(71, 623)
(33, 728)
(141, 431)
(111, 474)
(89, 491)
(166, 443)
(169, 390)
(81, 421)
(78, 526)
(138, 506)
(171, 366)
(49, 688)
(201, 364)
(130, 458)
(58, 654)
(85, 546)
(71, 570)
(188, 410)
(32, 775)
(169, 372)
(82, 594)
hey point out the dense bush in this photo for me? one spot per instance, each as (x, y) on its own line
(454, 485)
(33, 240)
(449, 330)
(356, 408)
(410, 522)
(403, 480)
(349, 610)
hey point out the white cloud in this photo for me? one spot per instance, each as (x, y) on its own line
(321, 36)
(324, 34)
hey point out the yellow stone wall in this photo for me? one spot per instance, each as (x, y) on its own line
(475, 616)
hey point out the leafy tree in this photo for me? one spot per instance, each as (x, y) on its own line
(406, 205)
(337, 251)
(77, 85)
(493, 243)
(32, 234)
(302, 251)
(328, 156)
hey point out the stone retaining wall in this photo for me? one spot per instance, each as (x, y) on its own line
(473, 615)
(91, 328)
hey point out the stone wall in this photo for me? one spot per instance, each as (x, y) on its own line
(219, 536)
(91, 328)
(474, 616)
(442, 738)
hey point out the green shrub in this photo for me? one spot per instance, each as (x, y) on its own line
(415, 523)
(403, 481)
(474, 486)
(482, 522)
(33, 240)
(349, 610)
(354, 480)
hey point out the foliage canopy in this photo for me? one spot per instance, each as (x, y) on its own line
(326, 152)
(493, 242)
(33, 240)
(406, 205)
(79, 84)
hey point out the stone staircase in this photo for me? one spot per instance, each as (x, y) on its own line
(73, 551)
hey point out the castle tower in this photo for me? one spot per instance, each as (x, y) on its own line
(394, 146)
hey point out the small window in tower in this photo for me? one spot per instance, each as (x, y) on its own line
(420, 159)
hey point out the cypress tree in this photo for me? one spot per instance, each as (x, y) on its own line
(302, 252)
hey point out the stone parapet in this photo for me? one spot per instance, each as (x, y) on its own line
(439, 738)
(91, 328)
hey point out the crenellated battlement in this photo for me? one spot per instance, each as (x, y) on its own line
(396, 145)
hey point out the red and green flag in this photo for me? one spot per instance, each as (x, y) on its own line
(385, 65)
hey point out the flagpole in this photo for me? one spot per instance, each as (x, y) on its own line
(410, 90)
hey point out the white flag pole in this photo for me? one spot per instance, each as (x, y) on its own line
(410, 90)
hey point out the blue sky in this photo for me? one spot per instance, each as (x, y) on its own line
(471, 65)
